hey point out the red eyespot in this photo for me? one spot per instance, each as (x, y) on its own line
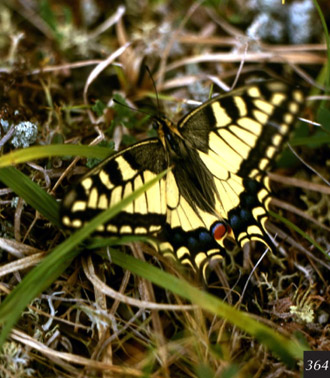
(219, 230)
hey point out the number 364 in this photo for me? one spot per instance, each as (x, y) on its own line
(317, 365)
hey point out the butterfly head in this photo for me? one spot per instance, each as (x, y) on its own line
(168, 133)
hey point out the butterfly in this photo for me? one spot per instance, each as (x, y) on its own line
(217, 186)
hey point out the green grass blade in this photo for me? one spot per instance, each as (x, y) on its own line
(288, 350)
(53, 265)
(40, 152)
(31, 193)
(327, 40)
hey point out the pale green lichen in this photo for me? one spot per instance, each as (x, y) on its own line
(4, 124)
(277, 22)
(272, 291)
(301, 21)
(304, 313)
(303, 309)
(14, 361)
(319, 208)
(14, 202)
(24, 135)
(265, 26)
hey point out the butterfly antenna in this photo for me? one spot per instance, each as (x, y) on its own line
(130, 107)
(155, 88)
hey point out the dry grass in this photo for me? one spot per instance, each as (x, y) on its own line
(61, 72)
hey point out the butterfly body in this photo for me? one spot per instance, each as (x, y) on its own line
(217, 186)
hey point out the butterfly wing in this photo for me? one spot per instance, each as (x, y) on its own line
(114, 179)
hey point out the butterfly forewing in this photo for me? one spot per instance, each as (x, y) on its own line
(246, 128)
(114, 179)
